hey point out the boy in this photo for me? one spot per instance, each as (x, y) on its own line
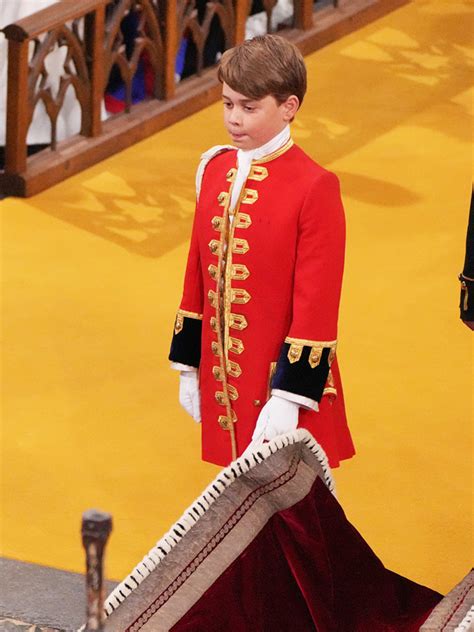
(258, 317)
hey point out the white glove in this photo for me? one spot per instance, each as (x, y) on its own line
(277, 417)
(189, 395)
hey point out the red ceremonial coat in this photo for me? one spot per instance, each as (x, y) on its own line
(261, 295)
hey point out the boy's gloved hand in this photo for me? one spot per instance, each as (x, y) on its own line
(189, 395)
(277, 417)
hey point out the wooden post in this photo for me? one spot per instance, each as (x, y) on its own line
(242, 8)
(170, 48)
(18, 105)
(96, 528)
(303, 14)
(94, 42)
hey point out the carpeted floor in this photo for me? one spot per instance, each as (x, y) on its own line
(92, 273)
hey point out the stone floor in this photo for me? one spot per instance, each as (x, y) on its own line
(13, 625)
(35, 598)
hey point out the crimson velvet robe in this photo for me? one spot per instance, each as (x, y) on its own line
(267, 548)
(261, 297)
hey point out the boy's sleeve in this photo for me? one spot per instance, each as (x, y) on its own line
(186, 341)
(310, 346)
(185, 350)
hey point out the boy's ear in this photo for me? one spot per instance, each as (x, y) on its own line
(290, 107)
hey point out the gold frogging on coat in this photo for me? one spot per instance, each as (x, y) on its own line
(258, 173)
(250, 196)
(212, 269)
(239, 272)
(214, 246)
(240, 246)
(230, 176)
(217, 373)
(233, 369)
(226, 422)
(238, 321)
(212, 296)
(216, 223)
(239, 296)
(222, 198)
(243, 220)
(235, 345)
(232, 393)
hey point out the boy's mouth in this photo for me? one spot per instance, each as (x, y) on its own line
(237, 135)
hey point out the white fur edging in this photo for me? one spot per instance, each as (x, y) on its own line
(192, 514)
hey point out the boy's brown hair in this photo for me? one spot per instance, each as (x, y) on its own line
(265, 65)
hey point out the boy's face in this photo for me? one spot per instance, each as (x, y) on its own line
(252, 123)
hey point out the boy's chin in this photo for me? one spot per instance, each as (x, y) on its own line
(243, 142)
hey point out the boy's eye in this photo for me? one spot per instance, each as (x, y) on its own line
(227, 104)
(249, 108)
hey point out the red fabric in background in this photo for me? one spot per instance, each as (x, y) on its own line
(309, 570)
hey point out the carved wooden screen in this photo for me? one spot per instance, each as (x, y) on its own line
(87, 38)
(148, 40)
(67, 41)
(206, 29)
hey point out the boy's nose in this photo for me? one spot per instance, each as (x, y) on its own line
(235, 118)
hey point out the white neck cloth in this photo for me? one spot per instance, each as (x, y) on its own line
(244, 161)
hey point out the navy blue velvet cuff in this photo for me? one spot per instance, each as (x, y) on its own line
(298, 377)
(186, 344)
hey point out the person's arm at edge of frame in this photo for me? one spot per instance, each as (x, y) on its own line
(467, 275)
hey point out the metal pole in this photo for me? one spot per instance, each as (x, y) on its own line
(96, 528)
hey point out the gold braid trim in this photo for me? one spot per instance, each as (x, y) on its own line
(181, 314)
(316, 352)
(276, 154)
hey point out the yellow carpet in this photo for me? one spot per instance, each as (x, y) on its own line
(92, 273)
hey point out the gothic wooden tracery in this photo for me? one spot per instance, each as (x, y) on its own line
(149, 40)
(86, 40)
(197, 19)
(74, 73)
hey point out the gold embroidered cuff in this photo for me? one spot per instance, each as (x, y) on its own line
(316, 350)
(181, 314)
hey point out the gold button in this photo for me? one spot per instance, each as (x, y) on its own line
(224, 422)
(257, 402)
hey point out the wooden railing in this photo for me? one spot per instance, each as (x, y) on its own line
(90, 30)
